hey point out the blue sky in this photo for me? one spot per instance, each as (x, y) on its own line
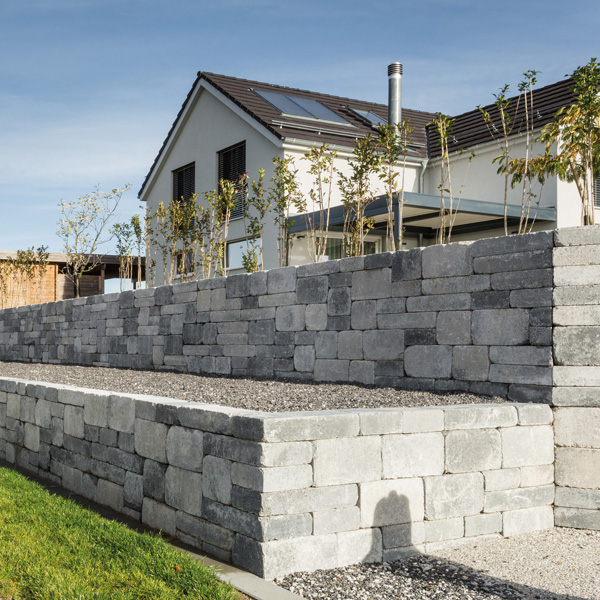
(89, 88)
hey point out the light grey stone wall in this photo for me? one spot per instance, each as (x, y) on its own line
(276, 493)
(471, 316)
(576, 377)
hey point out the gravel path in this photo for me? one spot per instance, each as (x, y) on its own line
(270, 396)
(546, 565)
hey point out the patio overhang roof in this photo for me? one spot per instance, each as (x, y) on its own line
(421, 215)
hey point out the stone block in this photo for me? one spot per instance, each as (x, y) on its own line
(281, 280)
(312, 290)
(290, 318)
(577, 498)
(480, 416)
(521, 355)
(577, 236)
(364, 546)
(448, 496)
(576, 275)
(502, 479)
(285, 454)
(96, 410)
(578, 468)
(419, 337)
(456, 285)
(73, 421)
(447, 260)
(527, 446)
(503, 500)
(133, 491)
(151, 440)
(331, 370)
(110, 494)
(442, 302)
(531, 298)
(271, 479)
(405, 289)
(520, 374)
(316, 317)
(347, 460)
(404, 535)
(339, 302)
(159, 516)
(483, 524)
(497, 327)
(335, 520)
(470, 363)
(275, 300)
(444, 529)
(382, 420)
(350, 345)
(285, 526)
(527, 520)
(578, 518)
(183, 490)
(383, 345)
(261, 332)
(536, 259)
(364, 314)
(576, 376)
(537, 475)
(407, 321)
(568, 316)
(412, 455)
(540, 240)
(121, 414)
(31, 439)
(387, 305)
(216, 479)
(428, 361)
(304, 358)
(575, 345)
(473, 450)
(454, 327)
(576, 396)
(391, 502)
(418, 420)
(362, 371)
(43, 417)
(406, 265)
(341, 323)
(296, 501)
(577, 427)
(373, 284)
(493, 299)
(185, 448)
(576, 295)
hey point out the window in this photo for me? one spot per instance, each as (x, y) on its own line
(185, 263)
(235, 252)
(300, 107)
(597, 192)
(232, 164)
(184, 182)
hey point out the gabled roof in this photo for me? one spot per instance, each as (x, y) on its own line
(293, 128)
(469, 129)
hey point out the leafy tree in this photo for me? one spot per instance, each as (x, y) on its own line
(392, 145)
(83, 227)
(357, 194)
(255, 210)
(573, 139)
(284, 195)
(322, 167)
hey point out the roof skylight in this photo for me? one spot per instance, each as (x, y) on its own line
(300, 107)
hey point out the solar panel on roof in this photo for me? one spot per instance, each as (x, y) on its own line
(301, 107)
(369, 116)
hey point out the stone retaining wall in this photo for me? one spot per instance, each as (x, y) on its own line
(471, 316)
(277, 493)
(576, 392)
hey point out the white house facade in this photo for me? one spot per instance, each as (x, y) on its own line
(228, 126)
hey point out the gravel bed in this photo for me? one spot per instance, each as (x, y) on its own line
(547, 565)
(253, 394)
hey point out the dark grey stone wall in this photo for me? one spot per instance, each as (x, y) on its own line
(471, 316)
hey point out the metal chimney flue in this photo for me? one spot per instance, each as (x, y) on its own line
(395, 93)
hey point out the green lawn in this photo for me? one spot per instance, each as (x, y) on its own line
(51, 548)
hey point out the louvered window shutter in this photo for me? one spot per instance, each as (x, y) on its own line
(184, 182)
(597, 192)
(232, 164)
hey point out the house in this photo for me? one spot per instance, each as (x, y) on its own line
(51, 283)
(228, 126)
